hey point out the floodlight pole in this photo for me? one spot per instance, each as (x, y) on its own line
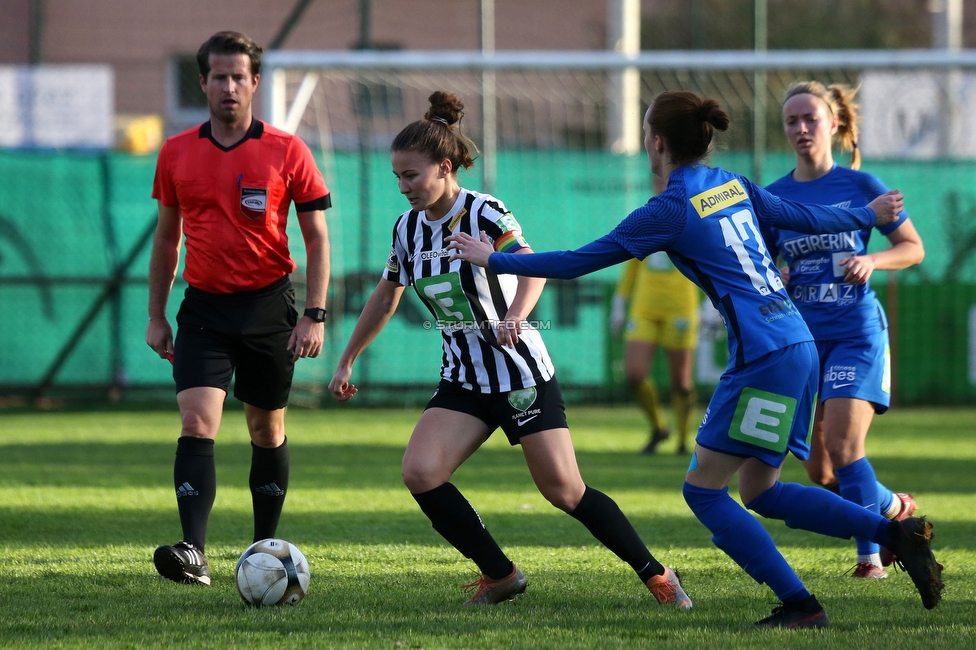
(489, 117)
(35, 37)
(364, 127)
(623, 37)
(947, 35)
(759, 95)
(946, 24)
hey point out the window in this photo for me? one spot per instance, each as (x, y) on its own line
(186, 105)
(188, 91)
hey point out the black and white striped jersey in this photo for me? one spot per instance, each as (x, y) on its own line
(466, 301)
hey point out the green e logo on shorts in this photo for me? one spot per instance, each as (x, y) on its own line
(445, 295)
(522, 399)
(763, 419)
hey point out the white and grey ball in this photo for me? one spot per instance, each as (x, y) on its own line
(272, 572)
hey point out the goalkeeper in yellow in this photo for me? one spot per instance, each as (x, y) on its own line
(663, 312)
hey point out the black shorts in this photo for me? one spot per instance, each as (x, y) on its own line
(517, 412)
(242, 335)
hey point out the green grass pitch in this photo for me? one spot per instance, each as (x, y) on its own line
(85, 497)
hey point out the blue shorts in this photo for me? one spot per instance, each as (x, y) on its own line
(858, 368)
(765, 408)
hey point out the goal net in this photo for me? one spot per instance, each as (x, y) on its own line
(562, 148)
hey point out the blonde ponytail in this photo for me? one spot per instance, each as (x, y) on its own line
(848, 116)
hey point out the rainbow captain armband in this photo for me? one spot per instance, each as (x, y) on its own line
(509, 242)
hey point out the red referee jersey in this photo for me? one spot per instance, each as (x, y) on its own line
(234, 203)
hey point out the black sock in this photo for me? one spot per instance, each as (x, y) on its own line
(195, 478)
(453, 517)
(601, 516)
(269, 483)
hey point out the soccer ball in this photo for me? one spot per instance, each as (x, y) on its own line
(272, 572)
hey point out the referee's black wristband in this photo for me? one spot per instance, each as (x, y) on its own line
(317, 314)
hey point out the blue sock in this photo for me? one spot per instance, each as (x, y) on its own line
(743, 539)
(885, 498)
(859, 485)
(819, 511)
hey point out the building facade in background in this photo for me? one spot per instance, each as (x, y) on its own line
(149, 44)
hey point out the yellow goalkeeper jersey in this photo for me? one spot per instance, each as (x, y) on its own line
(656, 289)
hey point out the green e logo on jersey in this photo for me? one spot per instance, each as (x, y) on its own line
(444, 294)
(763, 419)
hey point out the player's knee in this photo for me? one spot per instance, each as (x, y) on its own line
(562, 495)
(194, 425)
(268, 439)
(820, 476)
(421, 478)
(841, 452)
(635, 372)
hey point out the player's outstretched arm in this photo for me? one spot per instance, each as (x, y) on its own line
(376, 314)
(163, 261)
(562, 265)
(813, 219)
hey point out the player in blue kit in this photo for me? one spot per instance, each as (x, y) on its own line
(708, 220)
(827, 280)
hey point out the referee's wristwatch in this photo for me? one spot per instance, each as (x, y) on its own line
(317, 314)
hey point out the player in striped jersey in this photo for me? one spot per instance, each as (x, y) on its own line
(828, 281)
(464, 300)
(496, 371)
(708, 220)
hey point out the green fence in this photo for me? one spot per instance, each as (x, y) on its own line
(75, 233)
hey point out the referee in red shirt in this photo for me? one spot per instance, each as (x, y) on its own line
(226, 187)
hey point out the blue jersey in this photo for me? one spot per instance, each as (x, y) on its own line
(709, 221)
(832, 308)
